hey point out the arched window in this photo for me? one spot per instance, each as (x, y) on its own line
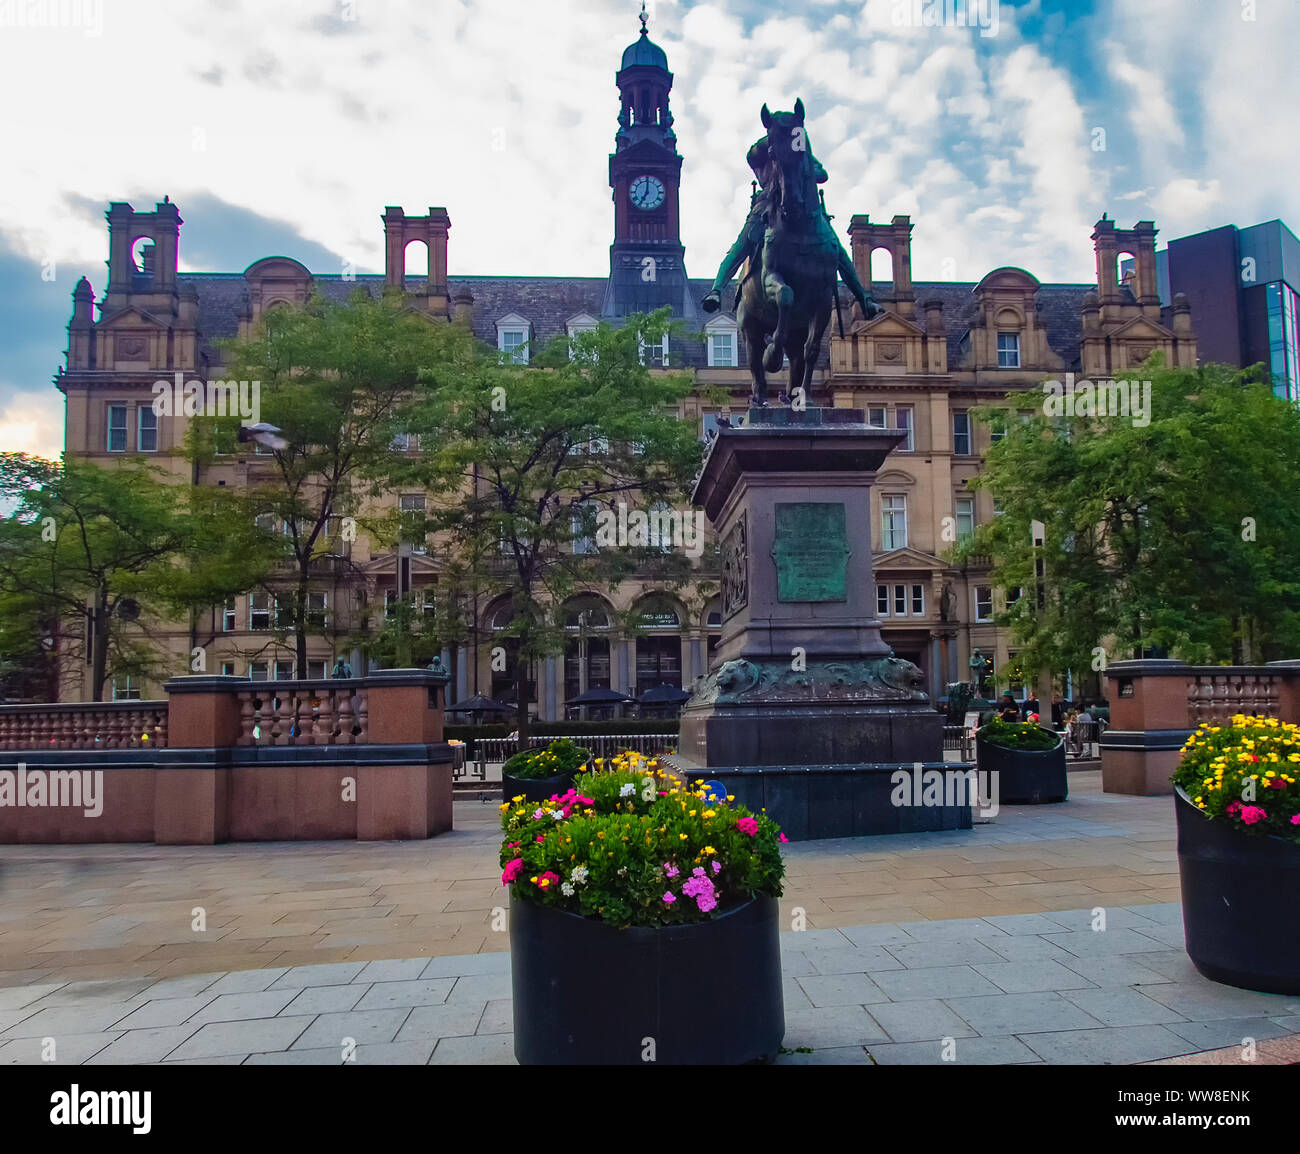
(586, 654)
(659, 648)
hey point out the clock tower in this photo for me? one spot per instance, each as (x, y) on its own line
(646, 260)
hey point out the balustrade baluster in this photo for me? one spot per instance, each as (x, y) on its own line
(363, 718)
(346, 718)
(323, 722)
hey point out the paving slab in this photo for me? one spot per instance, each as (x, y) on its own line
(932, 982)
(1020, 1013)
(359, 1025)
(1122, 1045)
(220, 1039)
(964, 1051)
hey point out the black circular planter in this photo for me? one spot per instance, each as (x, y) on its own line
(1025, 776)
(1241, 902)
(535, 788)
(588, 993)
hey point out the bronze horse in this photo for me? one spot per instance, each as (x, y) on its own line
(789, 286)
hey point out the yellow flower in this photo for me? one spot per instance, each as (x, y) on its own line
(709, 849)
(709, 813)
(681, 837)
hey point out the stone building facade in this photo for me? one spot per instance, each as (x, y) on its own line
(939, 350)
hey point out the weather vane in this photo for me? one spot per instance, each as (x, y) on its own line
(643, 18)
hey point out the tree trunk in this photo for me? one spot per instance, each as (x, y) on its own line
(521, 700)
(300, 623)
(99, 646)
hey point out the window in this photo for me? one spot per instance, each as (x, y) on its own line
(997, 429)
(317, 615)
(997, 507)
(876, 416)
(1013, 595)
(227, 669)
(259, 611)
(428, 606)
(918, 600)
(147, 432)
(903, 420)
(316, 670)
(722, 349)
(126, 689)
(257, 671)
(412, 511)
(961, 433)
(228, 616)
(583, 528)
(965, 509)
(406, 443)
(983, 603)
(900, 600)
(893, 508)
(654, 353)
(514, 343)
(117, 428)
(582, 323)
(1008, 350)
(882, 600)
(284, 671)
(265, 522)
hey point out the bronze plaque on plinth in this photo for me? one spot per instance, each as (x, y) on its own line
(811, 550)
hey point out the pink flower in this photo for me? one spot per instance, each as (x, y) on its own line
(1232, 807)
(1295, 820)
(783, 838)
(540, 837)
(1250, 814)
(512, 871)
(512, 845)
(698, 871)
(701, 889)
(748, 825)
(717, 867)
(669, 899)
(670, 870)
(547, 879)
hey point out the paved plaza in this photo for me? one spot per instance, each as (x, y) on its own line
(981, 940)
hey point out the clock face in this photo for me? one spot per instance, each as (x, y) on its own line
(647, 192)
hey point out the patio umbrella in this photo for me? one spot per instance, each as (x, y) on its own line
(664, 695)
(478, 704)
(600, 697)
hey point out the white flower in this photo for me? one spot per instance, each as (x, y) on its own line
(627, 791)
(579, 874)
(566, 888)
(557, 814)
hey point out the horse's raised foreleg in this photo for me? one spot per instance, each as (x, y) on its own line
(780, 295)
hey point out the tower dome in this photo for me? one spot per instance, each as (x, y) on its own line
(644, 52)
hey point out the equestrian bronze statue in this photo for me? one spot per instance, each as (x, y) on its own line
(791, 256)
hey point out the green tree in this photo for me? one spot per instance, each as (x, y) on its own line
(1177, 531)
(536, 464)
(337, 379)
(91, 558)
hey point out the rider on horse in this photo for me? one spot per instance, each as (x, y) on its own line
(750, 240)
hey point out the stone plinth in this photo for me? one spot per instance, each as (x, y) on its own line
(801, 675)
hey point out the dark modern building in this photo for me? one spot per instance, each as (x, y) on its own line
(1241, 284)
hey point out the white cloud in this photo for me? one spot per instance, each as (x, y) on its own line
(32, 422)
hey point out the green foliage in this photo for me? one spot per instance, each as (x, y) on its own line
(1246, 773)
(526, 457)
(559, 757)
(1182, 534)
(94, 559)
(632, 839)
(1018, 735)
(339, 380)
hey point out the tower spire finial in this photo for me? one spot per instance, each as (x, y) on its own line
(644, 18)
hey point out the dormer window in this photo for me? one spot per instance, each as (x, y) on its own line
(723, 345)
(576, 326)
(654, 353)
(1008, 350)
(512, 338)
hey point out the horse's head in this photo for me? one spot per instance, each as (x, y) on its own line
(790, 157)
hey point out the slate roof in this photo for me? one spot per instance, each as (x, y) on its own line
(548, 303)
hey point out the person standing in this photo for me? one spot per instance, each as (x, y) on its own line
(1007, 708)
(1058, 711)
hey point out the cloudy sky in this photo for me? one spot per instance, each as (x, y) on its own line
(285, 127)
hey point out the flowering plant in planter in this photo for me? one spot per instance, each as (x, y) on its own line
(561, 756)
(1246, 773)
(1018, 735)
(633, 846)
